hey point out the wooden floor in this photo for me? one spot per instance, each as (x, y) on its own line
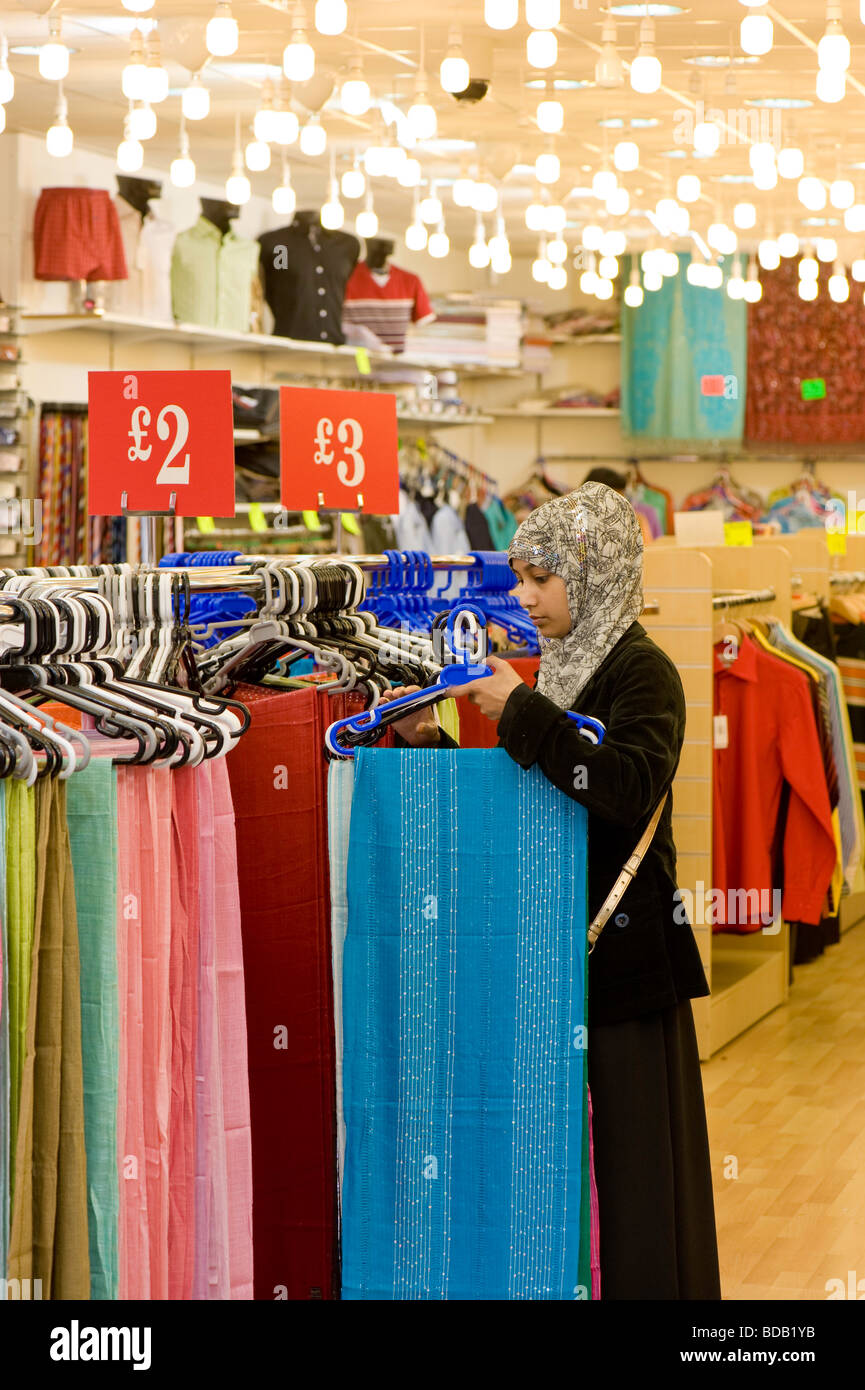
(786, 1110)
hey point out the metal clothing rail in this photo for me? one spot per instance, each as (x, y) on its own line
(742, 597)
(846, 579)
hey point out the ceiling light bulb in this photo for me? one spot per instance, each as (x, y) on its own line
(222, 34)
(501, 262)
(608, 267)
(541, 269)
(854, 218)
(694, 274)
(332, 213)
(765, 177)
(811, 193)
(257, 156)
(842, 194)
(54, 55)
(286, 126)
(808, 268)
(768, 254)
(410, 174)
(646, 67)
(438, 244)
(238, 189)
(756, 34)
(486, 196)
(353, 183)
(839, 286)
(603, 183)
(156, 81)
(58, 137)
(857, 270)
(542, 48)
(543, 14)
(634, 294)
(501, 14)
(788, 245)
(366, 222)
(313, 138)
(592, 237)
(618, 202)
(130, 155)
(736, 284)
(550, 117)
(714, 276)
(137, 6)
(416, 236)
(626, 156)
(331, 16)
(670, 265)
(688, 188)
(555, 218)
(614, 243)
(761, 152)
(808, 289)
(604, 288)
(753, 289)
(707, 138)
(133, 79)
(265, 121)
(421, 116)
(588, 282)
(831, 85)
(653, 280)
(609, 69)
(833, 50)
(298, 56)
(744, 216)
(454, 73)
(355, 94)
(479, 252)
(195, 102)
(142, 121)
(463, 191)
(284, 198)
(557, 251)
(826, 248)
(536, 214)
(548, 168)
(182, 170)
(431, 209)
(558, 277)
(7, 80)
(791, 162)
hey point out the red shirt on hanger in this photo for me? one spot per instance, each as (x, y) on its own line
(771, 737)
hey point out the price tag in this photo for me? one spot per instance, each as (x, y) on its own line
(338, 450)
(257, 519)
(711, 386)
(311, 521)
(206, 524)
(721, 736)
(738, 533)
(350, 524)
(361, 357)
(836, 542)
(152, 434)
(813, 388)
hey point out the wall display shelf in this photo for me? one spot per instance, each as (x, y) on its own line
(16, 417)
(574, 413)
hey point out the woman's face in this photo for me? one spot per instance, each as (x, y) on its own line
(544, 597)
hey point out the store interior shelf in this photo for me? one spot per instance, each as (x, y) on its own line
(577, 340)
(575, 413)
(216, 340)
(425, 418)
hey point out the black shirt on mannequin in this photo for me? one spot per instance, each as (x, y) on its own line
(305, 269)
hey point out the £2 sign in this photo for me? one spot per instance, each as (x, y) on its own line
(154, 436)
(338, 450)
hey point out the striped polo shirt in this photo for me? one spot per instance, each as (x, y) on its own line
(386, 302)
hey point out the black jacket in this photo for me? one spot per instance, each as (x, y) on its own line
(651, 961)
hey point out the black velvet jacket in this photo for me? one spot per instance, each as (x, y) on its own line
(650, 961)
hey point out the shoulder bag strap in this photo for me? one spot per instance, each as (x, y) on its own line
(629, 868)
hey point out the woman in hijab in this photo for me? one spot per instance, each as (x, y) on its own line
(578, 562)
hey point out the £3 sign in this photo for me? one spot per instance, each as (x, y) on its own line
(154, 434)
(338, 450)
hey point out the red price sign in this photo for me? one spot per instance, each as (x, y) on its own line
(158, 435)
(338, 450)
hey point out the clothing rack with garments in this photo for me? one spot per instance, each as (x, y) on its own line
(740, 600)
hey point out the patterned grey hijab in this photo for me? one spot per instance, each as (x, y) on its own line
(591, 538)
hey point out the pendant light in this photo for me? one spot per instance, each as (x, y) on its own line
(542, 48)
(808, 267)
(688, 188)
(142, 121)
(353, 182)
(854, 218)
(454, 73)
(831, 85)
(430, 209)
(592, 236)
(54, 55)
(842, 194)
(222, 35)
(284, 199)
(646, 67)
(736, 284)
(195, 101)
(557, 251)
(857, 270)
(707, 138)
(791, 162)
(133, 79)
(626, 156)
(58, 137)
(421, 115)
(410, 174)
(768, 254)
(833, 50)
(298, 56)
(156, 81)
(286, 126)
(366, 222)
(500, 248)
(331, 16)
(438, 244)
(608, 267)
(550, 116)
(355, 94)
(826, 248)
(238, 189)
(7, 81)
(839, 286)
(540, 265)
(257, 156)
(753, 288)
(744, 216)
(788, 245)
(808, 289)
(463, 190)
(812, 194)
(130, 153)
(265, 121)
(589, 277)
(182, 170)
(618, 202)
(313, 137)
(609, 69)
(756, 32)
(416, 234)
(501, 14)
(548, 168)
(479, 252)
(332, 212)
(634, 290)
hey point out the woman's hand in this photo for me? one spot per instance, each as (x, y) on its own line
(490, 693)
(419, 729)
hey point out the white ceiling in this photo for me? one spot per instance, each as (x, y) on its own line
(501, 129)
